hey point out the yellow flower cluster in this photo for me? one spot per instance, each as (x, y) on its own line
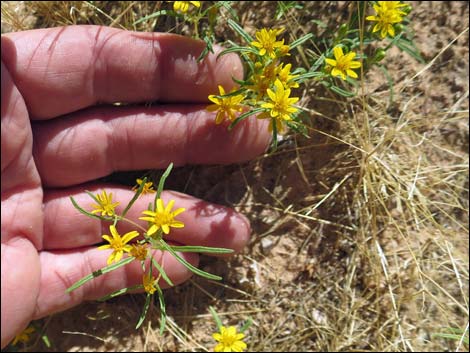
(388, 14)
(267, 88)
(162, 219)
(141, 241)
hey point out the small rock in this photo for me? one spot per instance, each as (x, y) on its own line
(266, 245)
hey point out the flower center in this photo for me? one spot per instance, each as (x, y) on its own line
(117, 244)
(163, 218)
(228, 340)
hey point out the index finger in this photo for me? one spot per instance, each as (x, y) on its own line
(64, 69)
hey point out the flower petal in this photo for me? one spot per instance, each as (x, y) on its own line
(114, 232)
(152, 229)
(129, 236)
(354, 64)
(160, 208)
(331, 62)
(169, 206)
(338, 52)
(351, 73)
(178, 211)
(177, 224)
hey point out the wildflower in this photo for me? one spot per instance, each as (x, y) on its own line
(285, 77)
(226, 106)
(343, 64)
(284, 50)
(387, 14)
(229, 340)
(183, 6)
(280, 107)
(267, 43)
(263, 80)
(148, 187)
(394, 5)
(149, 283)
(138, 251)
(105, 204)
(118, 244)
(23, 336)
(163, 218)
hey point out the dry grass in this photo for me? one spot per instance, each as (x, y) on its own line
(360, 233)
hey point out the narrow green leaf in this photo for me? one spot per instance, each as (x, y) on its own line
(244, 116)
(410, 49)
(228, 7)
(188, 265)
(236, 27)
(161, 300)
(155, 14)
(136, 196)
(451, 336)
(390, 83)
(238, 49)
(274, 140)
(216, 317)
(300, 40)
(120, 292)
(307, 76)
(208, 40)
(162, 182)
(144, 311)
(46, 341)
(246, 325)
(231, 94)
(86, 213)
(205, 249)
(93, 196)
(342, 92)
(99, 272)
(162, 271)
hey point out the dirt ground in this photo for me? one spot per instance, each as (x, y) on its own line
(310, 278)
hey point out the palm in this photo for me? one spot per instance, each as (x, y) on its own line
(51, 81)
(21, 212)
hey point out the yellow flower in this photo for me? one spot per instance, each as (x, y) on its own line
(394, 5)
(149, 283)
(267, 43)
(183, 6)
(387, 14)
(23, 336)
(229, 340)
(148, 187)
(163, 218)
(263, 80)
(343, 64)
(118, 244)
(285, 77)
(105, 204)
(138, 251)
(226, 106)
(280, 108)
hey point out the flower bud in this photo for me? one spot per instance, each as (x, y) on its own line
(379, 55)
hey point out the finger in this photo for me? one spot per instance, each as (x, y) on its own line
(205, 224)
(61, 269)
(60, 70)
(99, 141)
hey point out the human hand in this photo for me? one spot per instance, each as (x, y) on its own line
(52, 82)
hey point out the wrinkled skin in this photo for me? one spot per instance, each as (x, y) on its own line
(59, 136)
